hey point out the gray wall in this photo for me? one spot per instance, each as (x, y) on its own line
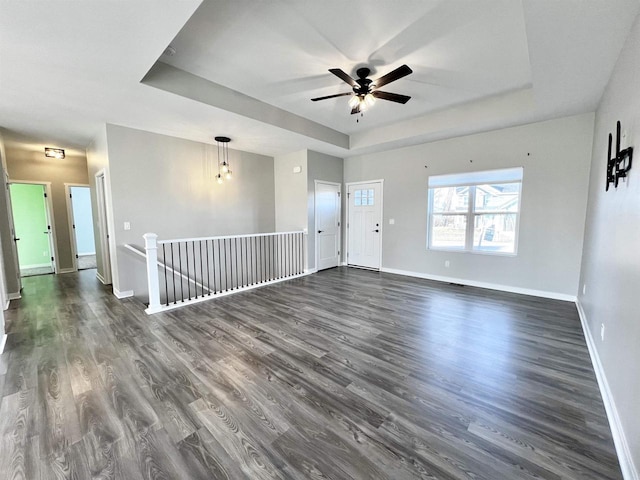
(319, 167)
(11, 274)
(97, 160)
(4, 236)
(290, 190)
(163, 185)
(26, 164)
(611, 262)
(554, 155)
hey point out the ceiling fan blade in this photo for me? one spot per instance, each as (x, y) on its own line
(355, 109)
(393, 97)
(331, 96)
(396, 74)
(343, 76)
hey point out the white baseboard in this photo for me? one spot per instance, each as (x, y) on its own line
(101, 278)
(490, 286)
(36, 265)
(124, 294)
(86, 254)
(629, 470)
(66, 270)
(343, 264)
(14, 296)
(3, 342)
(311, 270)
(6, 304)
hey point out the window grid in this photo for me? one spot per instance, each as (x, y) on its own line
(471, 215)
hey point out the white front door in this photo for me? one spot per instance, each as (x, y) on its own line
(327, 224)
(365, 224)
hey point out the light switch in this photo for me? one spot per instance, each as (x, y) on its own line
(127, 226)
(392, 221)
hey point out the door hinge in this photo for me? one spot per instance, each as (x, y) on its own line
(48, 227)
(77, 256)
(338, 252)
(73, 226)
(338, 193)
(45, 195)
(70, 196)
(52, 259)
(338, 223)
(348, 194)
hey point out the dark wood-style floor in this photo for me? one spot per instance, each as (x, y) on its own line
(345, 374)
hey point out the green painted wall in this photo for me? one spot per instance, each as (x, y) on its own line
(30, 220)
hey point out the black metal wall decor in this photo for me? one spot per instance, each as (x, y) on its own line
(618, 166)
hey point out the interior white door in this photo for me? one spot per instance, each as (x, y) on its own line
(327, 200)
(365, 225)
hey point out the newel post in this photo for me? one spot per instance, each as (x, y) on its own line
(151, 248)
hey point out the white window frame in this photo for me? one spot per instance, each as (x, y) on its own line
(471, 213)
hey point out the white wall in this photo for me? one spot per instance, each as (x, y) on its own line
(161, 184)
(611, 259)
(555, 156)
(290, 192)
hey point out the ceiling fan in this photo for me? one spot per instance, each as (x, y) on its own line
(365, 91)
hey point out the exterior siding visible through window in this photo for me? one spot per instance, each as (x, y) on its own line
(475, 212)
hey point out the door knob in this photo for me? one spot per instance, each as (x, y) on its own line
(376, 230)
(16, 239)
(320, 231)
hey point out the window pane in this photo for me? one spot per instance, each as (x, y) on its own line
(370, 200)
(358, 193)
(502, 197)
(451, 199)
(495, 233)
(358, 201)
(448, 231)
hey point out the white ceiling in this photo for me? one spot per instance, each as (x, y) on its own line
(67, 67)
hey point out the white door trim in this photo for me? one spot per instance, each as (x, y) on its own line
(71, 221)
(315, 218)
(48, 202)
(105, 222)
(347, 185)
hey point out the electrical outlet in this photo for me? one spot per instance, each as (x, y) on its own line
(602, 332)
(127, 225)
(392, 221)
(584, 289)
(447, 263)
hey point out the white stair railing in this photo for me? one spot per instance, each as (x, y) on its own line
(189, 270)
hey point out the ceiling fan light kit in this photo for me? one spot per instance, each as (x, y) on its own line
(365, 90)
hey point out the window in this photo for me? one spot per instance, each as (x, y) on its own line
(363, 198)
(475, 212)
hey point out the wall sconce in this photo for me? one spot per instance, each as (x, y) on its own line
(54, 152)
(618, 166)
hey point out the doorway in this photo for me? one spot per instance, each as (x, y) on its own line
(327, 215)
(364, 227)
(33, 228)
(81, 226)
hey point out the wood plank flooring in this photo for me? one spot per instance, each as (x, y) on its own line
(345, 374)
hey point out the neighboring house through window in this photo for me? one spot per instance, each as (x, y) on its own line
(475, 212)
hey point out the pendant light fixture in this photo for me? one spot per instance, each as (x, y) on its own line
(224, 166)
